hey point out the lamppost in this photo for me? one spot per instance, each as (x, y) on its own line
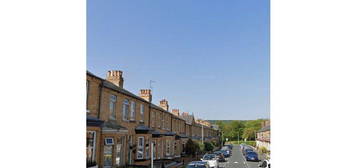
(152, 155)
(202, 133)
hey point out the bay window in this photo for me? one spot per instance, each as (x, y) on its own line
(140, 152)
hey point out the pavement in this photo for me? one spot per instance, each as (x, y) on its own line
(237, 160)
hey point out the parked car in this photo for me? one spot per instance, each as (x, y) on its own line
(245, 151)
(220, 156)
(197, 164)
(226, 153)
(211, 159)
(230, 146)
(225, 148)
(251, 156)
(265, 164)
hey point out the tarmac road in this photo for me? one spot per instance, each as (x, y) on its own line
(237, 160)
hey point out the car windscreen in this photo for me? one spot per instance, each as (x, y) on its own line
(252, 154)
(196, 166)
(208, 157)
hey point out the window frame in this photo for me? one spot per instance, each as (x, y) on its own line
(112, 110)
(140, 148)
(142, 112)
(132, 110)
(93, 155)
(125, 110)
(168, 150)
(106, 143)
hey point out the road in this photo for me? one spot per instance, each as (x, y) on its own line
(237, 160)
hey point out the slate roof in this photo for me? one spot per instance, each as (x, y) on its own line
(188, 118)
(266, 128)
(169, 133)
(142, 128)
(93, 121)
(110, 85)
(113, 125)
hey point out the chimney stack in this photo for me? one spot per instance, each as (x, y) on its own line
(146, 94)
(164, 104)
(185, 113)
(265, 123)
(115, 77)
(176, 112)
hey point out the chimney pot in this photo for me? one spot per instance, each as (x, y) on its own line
(176, 112)
(146, 94)
(164, 104)
(115, 77)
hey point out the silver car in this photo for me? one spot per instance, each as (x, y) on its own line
(211, 159)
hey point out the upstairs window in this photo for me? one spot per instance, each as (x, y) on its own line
(142, 112)
(112, 104)
(125, 110)
(162, 120)
(132, 110)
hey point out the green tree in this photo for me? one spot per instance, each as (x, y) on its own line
(249, 133)
(191, 147)
(208, 146)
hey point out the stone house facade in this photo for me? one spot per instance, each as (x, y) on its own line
(122, 126)
(263, 135)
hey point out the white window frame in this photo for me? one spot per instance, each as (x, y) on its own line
(121, 160)
(108, 143)
(125, 110)
(132, 110)
(112, 101)
(94, 144)
(154, 149)
(167, 149)
(142, 111)
(140, 148)
(147, 151)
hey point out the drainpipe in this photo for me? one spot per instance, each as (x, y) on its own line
(149, 114)
(100, 99)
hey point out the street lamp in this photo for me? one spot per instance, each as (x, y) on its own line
(202, 133)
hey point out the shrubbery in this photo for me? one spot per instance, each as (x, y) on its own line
(192, 148)
(251, 143)
(208, 146)
(264, 150)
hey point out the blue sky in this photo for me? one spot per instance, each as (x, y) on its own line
(207, 57)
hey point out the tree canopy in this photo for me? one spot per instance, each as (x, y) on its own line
(245, 128)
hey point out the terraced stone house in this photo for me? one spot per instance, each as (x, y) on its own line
(122, 126)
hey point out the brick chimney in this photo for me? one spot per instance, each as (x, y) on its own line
(185, 113)
(146, 94)
(265, 123)
(176, 112)
(115, 77)
(164, 104)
